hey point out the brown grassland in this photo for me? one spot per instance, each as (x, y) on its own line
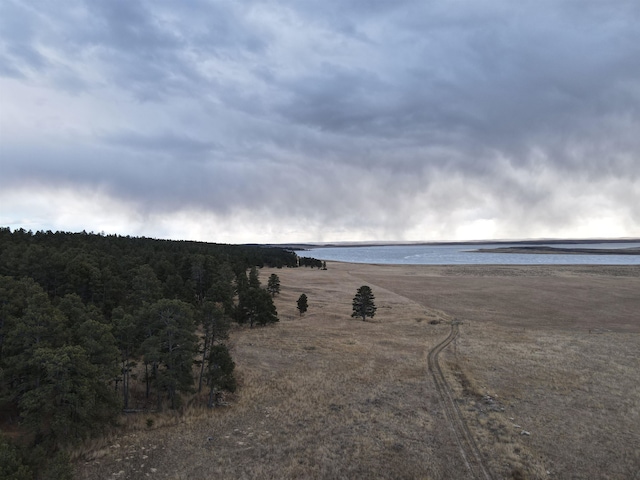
(545, 372)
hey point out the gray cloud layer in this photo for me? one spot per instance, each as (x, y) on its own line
(394, 120)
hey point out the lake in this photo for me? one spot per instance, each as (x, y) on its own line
(463, 255)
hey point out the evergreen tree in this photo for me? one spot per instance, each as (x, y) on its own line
(255, 306)
(215, 329)
(302, 304)
(219, 373)
(145, 287)
(171, 348)
(242, 283)
(12, 464)
(273, 285)
(70, 401)
(199, 278)
(33, 324)
(265, 310)
(222, 290)
(254, 280)
(363, 305)
(128, 339)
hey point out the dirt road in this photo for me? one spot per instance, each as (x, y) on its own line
(466, 444)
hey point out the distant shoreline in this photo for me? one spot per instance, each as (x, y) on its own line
(562, 251)
(538, 243)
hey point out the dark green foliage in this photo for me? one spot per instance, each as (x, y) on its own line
(302, 304)
(171, 347)
(30, 324)
(79, 311)
(219, 372)
(56, 364)
(256, 307)
(311, 262)
(48, 465)
(101, 268)
(264, 310)
(128, 335)
(12, 463)
(273, 285)
(254, 280)
(215, 330)
(69, 400)
(199, 279)
(20, 463)
(58, 467)
(222, 289)
(145, 288)
(363, 305)
(242, 283)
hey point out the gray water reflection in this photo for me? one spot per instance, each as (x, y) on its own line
(464, 255)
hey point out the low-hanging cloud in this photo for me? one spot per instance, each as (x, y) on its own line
(282, 121)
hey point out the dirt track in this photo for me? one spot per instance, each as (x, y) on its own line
(466, 444)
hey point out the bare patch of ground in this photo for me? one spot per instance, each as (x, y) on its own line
(547, 364)
(548, 351)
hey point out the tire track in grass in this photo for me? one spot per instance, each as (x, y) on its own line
(466, 444)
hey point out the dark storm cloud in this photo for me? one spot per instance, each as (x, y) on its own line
(169, 143)
(366, 115)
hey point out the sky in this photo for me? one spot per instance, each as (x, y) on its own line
(304, 121)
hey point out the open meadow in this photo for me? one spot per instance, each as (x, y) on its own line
(545, 374)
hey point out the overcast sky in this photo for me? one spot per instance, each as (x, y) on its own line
(293, 120)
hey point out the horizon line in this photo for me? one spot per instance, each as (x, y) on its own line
(390, 243)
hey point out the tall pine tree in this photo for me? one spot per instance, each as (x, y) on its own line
(363, 305)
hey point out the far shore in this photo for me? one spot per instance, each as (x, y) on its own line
(562, 251)
(531, 243)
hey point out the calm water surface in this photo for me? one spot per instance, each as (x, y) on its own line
(463, 255)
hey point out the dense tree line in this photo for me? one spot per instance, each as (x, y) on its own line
(91, 324)
(312, 262)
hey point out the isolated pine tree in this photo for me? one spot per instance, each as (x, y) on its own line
(302, 304)
(363, 305)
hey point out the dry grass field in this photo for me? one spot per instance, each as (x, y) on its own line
(546, 372)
